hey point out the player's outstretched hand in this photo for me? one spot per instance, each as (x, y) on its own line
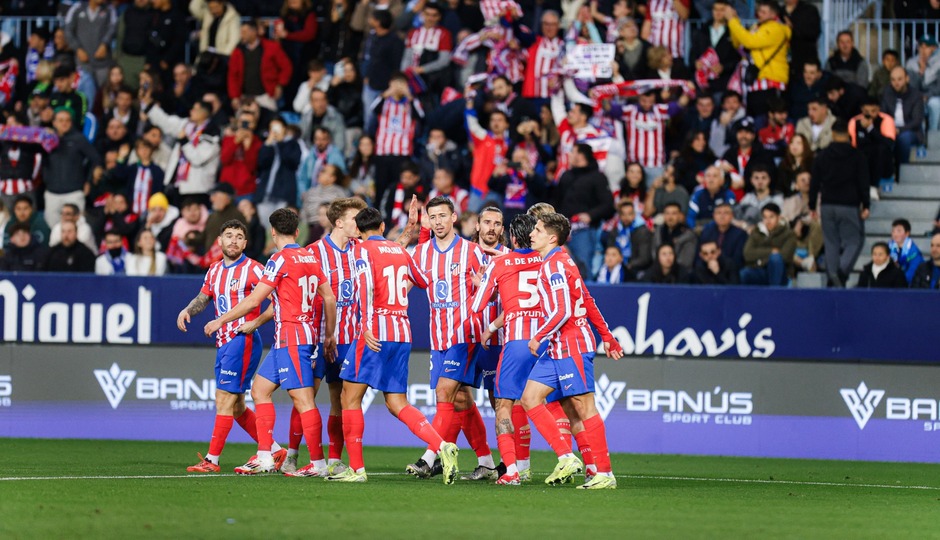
(212, 327)
(248, 327)
(485, 340)
(476, 278)
(491, 251)
(614, 350)
(329, 347)
(371, 342)
(182, 320)
(534, 347)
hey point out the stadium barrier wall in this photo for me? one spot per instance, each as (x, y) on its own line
(679, 406)
(672, 321)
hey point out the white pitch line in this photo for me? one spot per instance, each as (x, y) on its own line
(631, 476)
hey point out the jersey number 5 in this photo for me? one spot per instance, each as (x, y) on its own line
(527, 284)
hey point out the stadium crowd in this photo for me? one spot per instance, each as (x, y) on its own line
(750, 162)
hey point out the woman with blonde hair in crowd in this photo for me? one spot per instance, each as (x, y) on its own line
(146, 259)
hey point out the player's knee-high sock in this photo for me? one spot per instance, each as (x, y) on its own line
(544, 422)
(521, 435)
(265, 416)
(334, 428)
(296, 432)
(249, 422)
(475, 430)
(420, 426)
(597, 435)
(584, 446)
(223, 425)
(443, 420)
(507, 451)
(353, 425)
(564, 425)
(313, 432)
(452, 431)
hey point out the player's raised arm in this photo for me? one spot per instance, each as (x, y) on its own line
(246, 306)
(195, 307)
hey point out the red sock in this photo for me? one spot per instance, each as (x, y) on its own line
(223, 424)
(249, 423)
(265, 416)
(443, 421)
(564, 425)
(334, 428)
(420, 426)
(313, 432)
(296, 430)
(475, 431)
(584, 445)
(597, 435)
(544, 422)
(452, 431)
(522, 433)
(353, 425)
(507, 451)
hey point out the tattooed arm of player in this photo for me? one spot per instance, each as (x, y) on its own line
(194, 308)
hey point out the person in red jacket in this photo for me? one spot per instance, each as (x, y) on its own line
(258, 67)
(240, 156)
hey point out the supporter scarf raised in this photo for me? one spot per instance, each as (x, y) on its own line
(46, 138)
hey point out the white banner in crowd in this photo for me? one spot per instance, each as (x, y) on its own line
(591, 61)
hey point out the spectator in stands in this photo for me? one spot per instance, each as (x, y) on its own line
(239, 156)
(490, 147)
(113, 262)
(322, 153)
(707, 197)
(71, 214)
(124, 111)
(904, 251)
(799, 157)
(119, 218)
(845, 99)
(183, 90)
(632, 52)
(24, 213)
(182, 250)
(194, 161)
(69, 255)
(67, 168)
(665, 190)
(840, 179)
(279, 158)
(928, 273)
(105, 98)
(807, 88)
(65, 97)
(881, 272)
(168, 34)
(713, 268)
(160, 219)
(817, 126)
(520, 185)
(219, 31)
(384, 51)
(702, 116)
(22, 253)
(223, 209)
(803, 19)
(258, 68)
(778, 130)
(345, 94)
(677, 234)
(738, 161)
(392, 204)
(614, 270)
(806, 226)
(317, 78)
(721, 229)
(440, 153)
(768, 45)
(633, 187)
(337, 37)
(19, 161)
(694, 158)
(114, 137)
(632, 237)
(329, 187)
(517, 109)
(665, 270)
(140, 180)
(321, 114)
(664, 25)
(427, 51)
(924, 70)
(881, 78)
(873, 133)
(90, 28)
(398, 113)
(768, 253)
(749, 211)
(713, 52)
(722, 131)
(905, 103)
(297, 34)
(362, 169)
(443, 185)
(146, 260)
(256, 232)
(162, 151)
(847, 63)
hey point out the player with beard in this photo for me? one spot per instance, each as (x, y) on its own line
(227, 283)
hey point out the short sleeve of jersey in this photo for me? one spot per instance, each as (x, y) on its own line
(206, 286)
(272, 271)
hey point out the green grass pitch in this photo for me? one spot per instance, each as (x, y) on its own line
(658, 497)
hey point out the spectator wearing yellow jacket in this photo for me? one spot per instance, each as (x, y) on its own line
(768, 44)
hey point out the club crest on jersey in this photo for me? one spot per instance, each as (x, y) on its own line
(556, 281)
(233, 284)
(455, 269)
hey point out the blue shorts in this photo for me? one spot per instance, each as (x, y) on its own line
(293, 367)
(457, 363)
(571, 376)
(236, 363)
(333, 368)
(487, 362)
(515, 364)
(386, 371)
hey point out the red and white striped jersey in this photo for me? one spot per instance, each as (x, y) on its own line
(339, 267)
(295, 274)
(397, 123)
(544, 59)
(590, 135)
(646, 134)
(563, 297)
(448, 272)
(492, 309)
(514, 278)
(229, 285)
(383, 269)
(422, 40)
(459, 196)
(666, 28)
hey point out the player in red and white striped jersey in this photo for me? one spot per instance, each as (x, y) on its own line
(379, 359)
(573, 129)
(227, 283)
(428, 48)
(544, 59)
(568, 366)
(293, 278)
(398, 114)
(665, 25)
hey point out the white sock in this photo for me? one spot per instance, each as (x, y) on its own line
(320, 464)
(511, 470)
(332, 461)
(522, 464)
(212, 458)
(486, 461)
(291, 452)
(265, 456)
(592, 468)
(606, 474)
(429, 457)
(275, 447)
(565, 456)
(361, 470)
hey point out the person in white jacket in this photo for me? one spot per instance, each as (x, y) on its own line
(146, 259)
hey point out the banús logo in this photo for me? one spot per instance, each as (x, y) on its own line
(114, 382)
(863, 402)
(183, 394)
(606, 394)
